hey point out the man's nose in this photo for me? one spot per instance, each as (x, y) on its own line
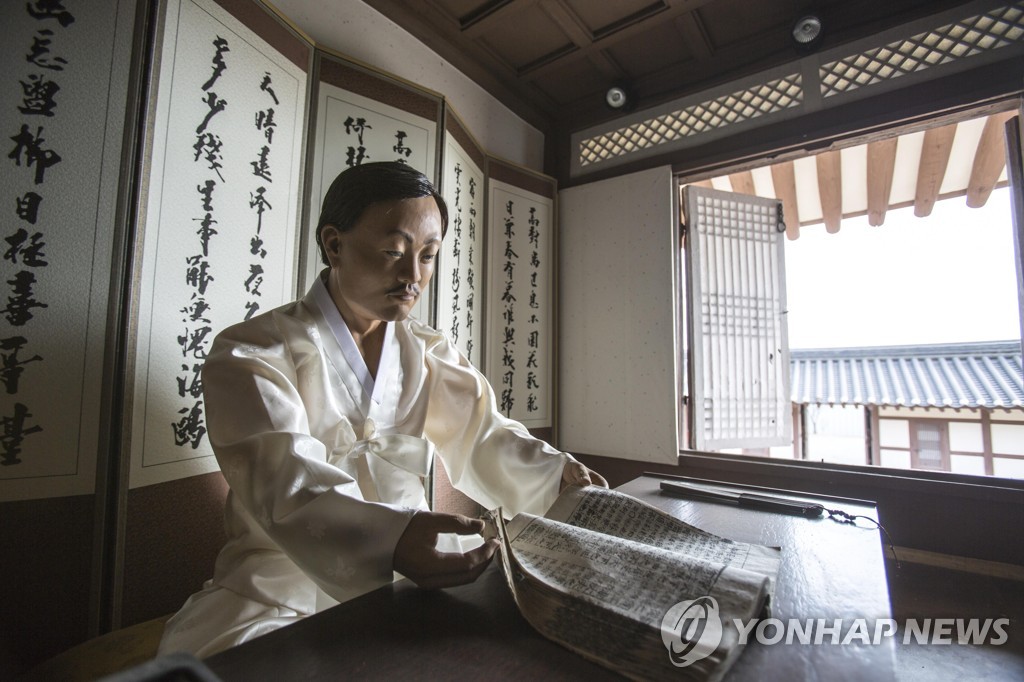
(410, 270)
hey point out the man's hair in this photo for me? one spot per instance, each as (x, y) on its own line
(359, 186)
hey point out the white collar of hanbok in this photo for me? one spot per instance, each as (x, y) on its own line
(374, 389)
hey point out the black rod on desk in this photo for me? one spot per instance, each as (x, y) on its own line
(748, 500)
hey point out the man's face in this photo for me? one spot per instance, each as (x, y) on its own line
(380, 266)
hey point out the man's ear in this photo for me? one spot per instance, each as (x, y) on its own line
(330, 237)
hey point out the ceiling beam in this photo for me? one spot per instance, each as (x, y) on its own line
(938, 143)
(568, 21)
(830, 189)
(784, 179)
(608, 67)
(742, 182)
(638, 27)
(690, 76)
(696, 36)
(849, 20)
(576, 29)
(989, 159)
(438, 30)
(494, 20)
(881, 164)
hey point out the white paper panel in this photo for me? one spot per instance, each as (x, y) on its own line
(460, 273)
(62, 105)
(738, 338)
(221, 215)
(618, 376)
(351, 130)
(520, 292)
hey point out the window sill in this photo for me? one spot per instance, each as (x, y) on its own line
(842, 475)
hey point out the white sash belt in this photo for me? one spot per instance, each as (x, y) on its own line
(397, 463)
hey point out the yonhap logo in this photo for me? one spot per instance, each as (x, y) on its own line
(691, 630)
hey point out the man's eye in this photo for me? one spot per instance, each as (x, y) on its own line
(427, 257)
(394, 254)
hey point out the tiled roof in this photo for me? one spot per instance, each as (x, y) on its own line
(983, 374)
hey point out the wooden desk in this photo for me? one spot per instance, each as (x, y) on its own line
(829, 570)
(475, 631)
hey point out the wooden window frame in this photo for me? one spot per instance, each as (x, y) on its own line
(915, 424)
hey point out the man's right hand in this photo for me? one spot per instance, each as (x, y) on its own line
(417, 558)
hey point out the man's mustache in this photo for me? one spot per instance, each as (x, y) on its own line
(405, 289)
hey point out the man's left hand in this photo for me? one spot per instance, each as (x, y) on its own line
(574, 473)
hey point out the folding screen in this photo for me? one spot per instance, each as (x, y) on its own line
(520, 355)
(364, 116)
(460, 274)
(123, 264)
(62, 107)
(62, 112)
(217, 243)
(221, 216)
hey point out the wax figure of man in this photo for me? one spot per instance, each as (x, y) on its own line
(325, 414)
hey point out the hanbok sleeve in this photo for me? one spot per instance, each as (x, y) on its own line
(259, 428)
(492, 459)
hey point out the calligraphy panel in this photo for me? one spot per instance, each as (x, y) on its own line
(62, 112)
(460, 273)
(363, 117)
(520, 317)
(221, 218)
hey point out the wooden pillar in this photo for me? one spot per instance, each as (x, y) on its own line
(986, 440)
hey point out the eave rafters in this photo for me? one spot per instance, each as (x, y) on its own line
(818, 197)
(935, 150)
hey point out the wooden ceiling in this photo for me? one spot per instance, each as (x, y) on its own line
(552, 61)
(965, 161)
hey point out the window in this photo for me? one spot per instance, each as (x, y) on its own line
(612, 297)
(928, 446)
(725, 372)
(979, 441)
(736, 327)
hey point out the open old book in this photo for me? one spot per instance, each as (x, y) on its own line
(630, 587)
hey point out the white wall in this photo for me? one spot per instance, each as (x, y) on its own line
(357, 30)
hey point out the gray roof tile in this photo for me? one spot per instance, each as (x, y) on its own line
(983, 374)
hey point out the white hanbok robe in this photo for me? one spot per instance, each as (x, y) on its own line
(326, 465)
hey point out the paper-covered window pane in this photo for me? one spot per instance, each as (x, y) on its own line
(737, 327)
